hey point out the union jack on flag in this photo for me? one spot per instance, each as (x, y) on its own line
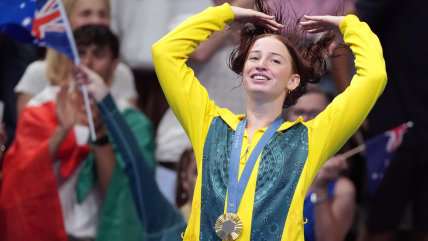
(40, 22)
(379, 152)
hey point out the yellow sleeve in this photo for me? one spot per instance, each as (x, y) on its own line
(339, 121)
(187, 97)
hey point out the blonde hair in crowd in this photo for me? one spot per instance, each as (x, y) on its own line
(58, 65)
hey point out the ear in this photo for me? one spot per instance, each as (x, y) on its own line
(293, 82)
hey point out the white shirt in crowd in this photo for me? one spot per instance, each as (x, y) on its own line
(140, 24)
(35, 80)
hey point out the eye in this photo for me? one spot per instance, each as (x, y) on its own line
(276, 61)
(254, 58)
(102, 14)
(85, 13)
(99, 54)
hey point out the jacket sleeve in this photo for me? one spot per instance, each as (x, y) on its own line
(339, 121)
(187, 97)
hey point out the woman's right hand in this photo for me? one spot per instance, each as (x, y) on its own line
(243, 16)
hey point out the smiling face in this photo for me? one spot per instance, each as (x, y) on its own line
(268, 72)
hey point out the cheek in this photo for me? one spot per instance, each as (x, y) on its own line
(76, 21)
(102, 67)
(247, 69)
(281, 75)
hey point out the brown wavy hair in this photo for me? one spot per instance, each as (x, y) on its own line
(308, 60)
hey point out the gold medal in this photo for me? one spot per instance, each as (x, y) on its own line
(228, 226)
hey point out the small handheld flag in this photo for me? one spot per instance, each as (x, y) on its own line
(44, 23)
(379, 152)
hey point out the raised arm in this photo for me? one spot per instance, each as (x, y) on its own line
(162, 220)
(187, 97)
(334, 126)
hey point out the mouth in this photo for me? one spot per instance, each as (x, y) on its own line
(258, 77)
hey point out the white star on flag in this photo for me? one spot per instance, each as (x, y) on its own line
(26, 21)
(22, 5)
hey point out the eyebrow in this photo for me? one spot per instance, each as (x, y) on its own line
(273, 53)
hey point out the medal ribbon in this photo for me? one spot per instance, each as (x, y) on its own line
(236, 189)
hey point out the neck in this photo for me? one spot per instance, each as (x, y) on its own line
(260, 114)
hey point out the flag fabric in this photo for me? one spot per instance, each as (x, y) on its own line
(40, 22)
(379, 152)
(30, 205)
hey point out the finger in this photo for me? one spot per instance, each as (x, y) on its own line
(340, 157)
(268, 26)
(80, 75)
(269, 20)
(310, 25)
(263, 16)
(319, 30)
(314, 18)
(62, 94)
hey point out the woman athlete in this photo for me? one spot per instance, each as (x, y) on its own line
(254, 170)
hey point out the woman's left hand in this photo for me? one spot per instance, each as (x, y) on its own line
(318, 24)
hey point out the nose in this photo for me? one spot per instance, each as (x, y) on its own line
(261, 65)
(95, 19)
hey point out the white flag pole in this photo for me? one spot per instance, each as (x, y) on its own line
(89, 113)
(77, 62)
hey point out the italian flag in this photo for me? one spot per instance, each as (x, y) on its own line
(30, 207)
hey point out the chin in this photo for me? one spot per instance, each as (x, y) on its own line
(258, 92)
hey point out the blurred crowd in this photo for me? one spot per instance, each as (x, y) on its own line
(103, 194)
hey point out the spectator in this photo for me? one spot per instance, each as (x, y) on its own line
(405, 181)
(330, 201)
(73, 200)
(162, 221)
(57, 66)
(187, 173)
(14, 59)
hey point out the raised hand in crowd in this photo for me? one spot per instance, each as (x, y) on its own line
(66, 111)
(329, 171)
(333, 199)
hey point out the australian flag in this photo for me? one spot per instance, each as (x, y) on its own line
(379, 153)
(40, 22)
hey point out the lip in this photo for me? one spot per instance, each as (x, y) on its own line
(259, 80)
